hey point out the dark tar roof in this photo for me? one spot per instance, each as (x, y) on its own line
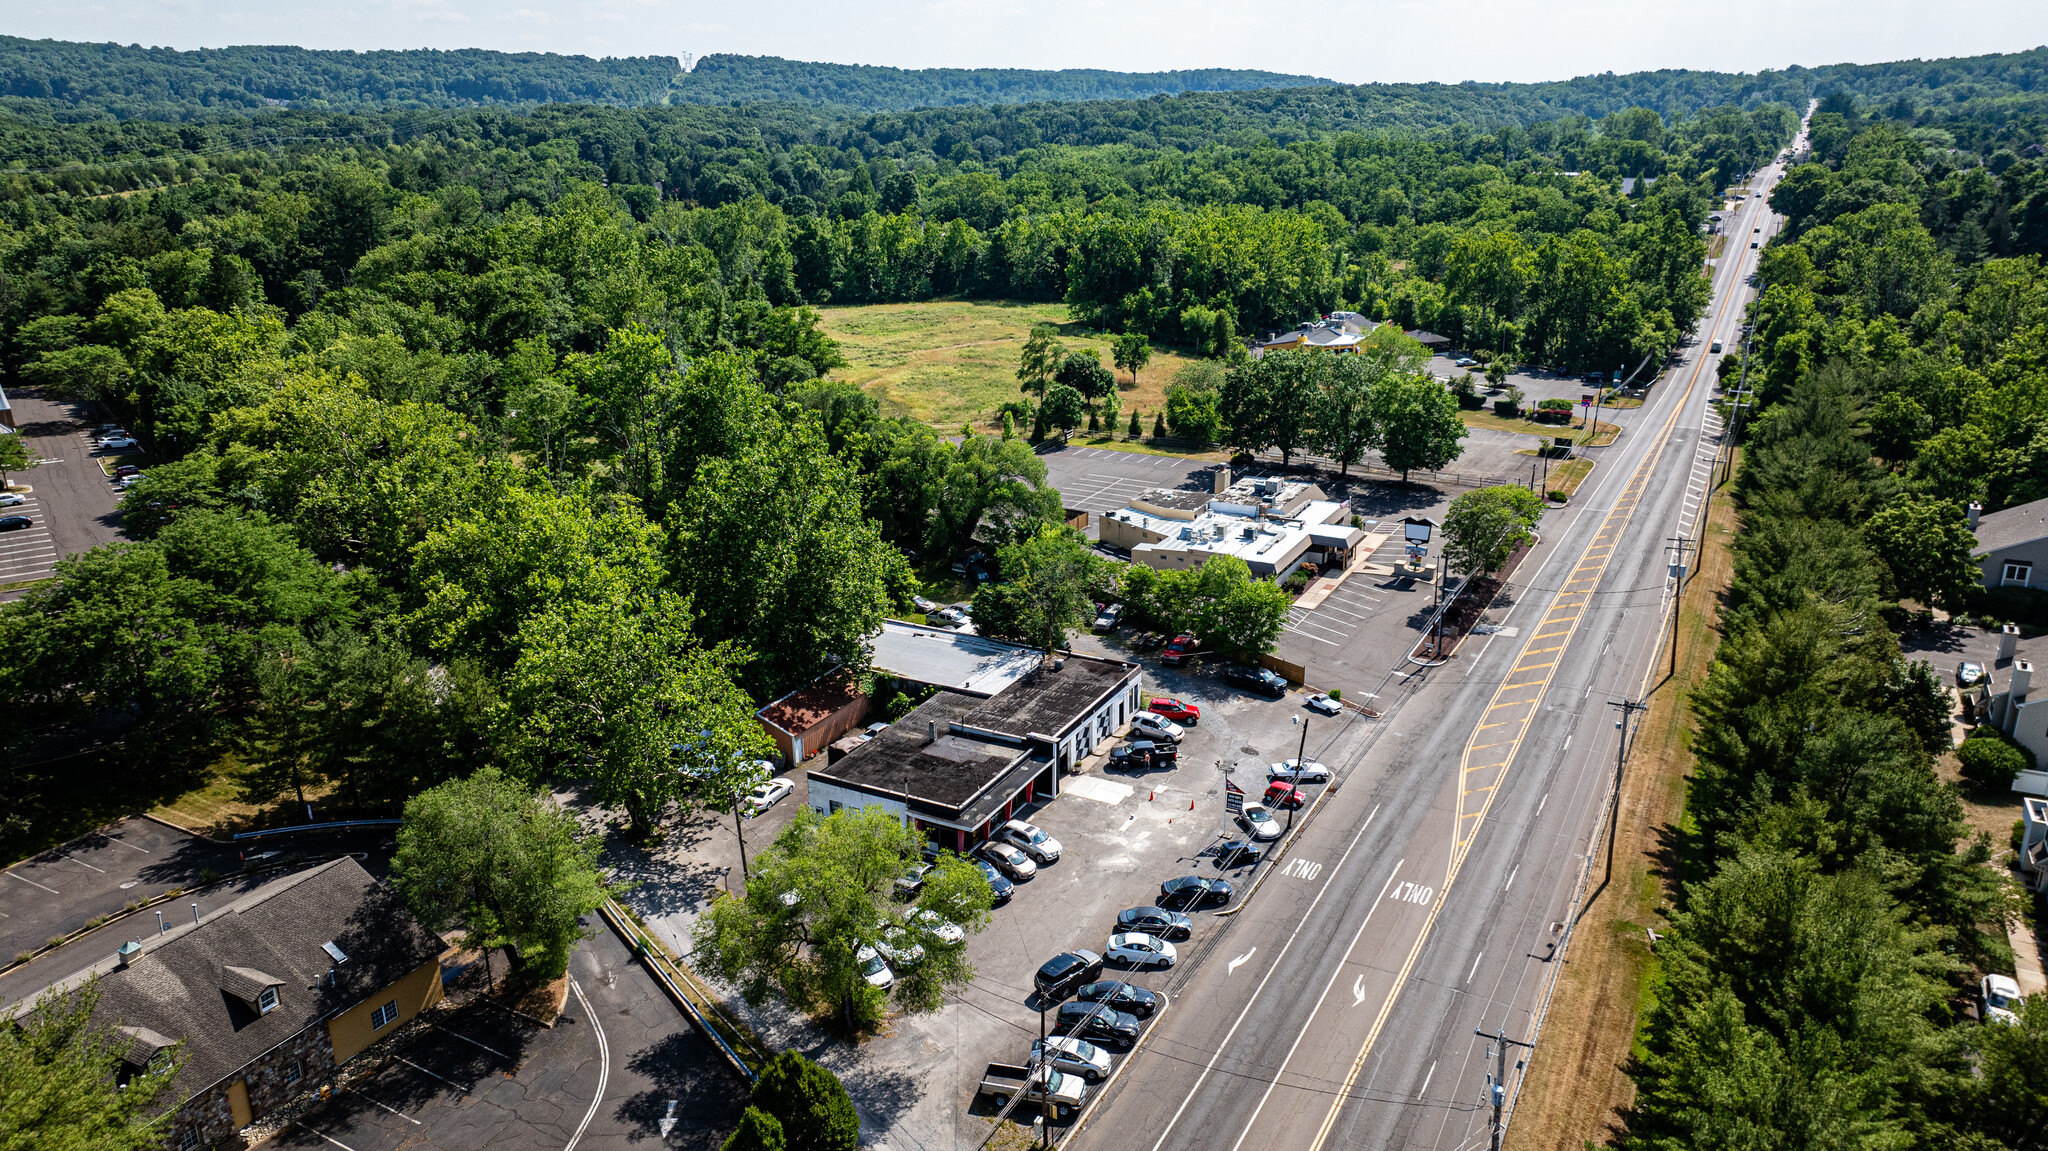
(189, 985)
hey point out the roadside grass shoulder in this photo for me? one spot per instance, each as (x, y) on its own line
(1526, 427)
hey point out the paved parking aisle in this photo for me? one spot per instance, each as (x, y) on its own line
(57, 892)
(27, 553)
(73, 502)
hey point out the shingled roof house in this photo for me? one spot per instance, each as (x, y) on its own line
(268, 995)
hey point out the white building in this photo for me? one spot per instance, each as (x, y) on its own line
(1272, 525)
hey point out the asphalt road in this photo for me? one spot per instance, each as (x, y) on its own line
(1425, 899)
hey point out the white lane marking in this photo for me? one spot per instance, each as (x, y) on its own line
(33, 883)
(604, 1065)
(1310, 1021)
(1240, 961)
(1358, 990)
(1426, 1079)
(1475, 966)
(1249, 1003)
(1544, 800)
(1511, 878)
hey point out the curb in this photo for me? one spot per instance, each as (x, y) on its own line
(1122, 1062)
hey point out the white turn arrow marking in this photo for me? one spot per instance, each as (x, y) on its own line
(1358, 991)
(669, 1123)
(1239, 961)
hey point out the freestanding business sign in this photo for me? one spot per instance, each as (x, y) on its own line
(1417, 529)
(1233, 797)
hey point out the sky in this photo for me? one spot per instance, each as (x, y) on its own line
(1355, 41)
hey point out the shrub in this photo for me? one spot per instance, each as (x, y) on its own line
(758, 1131)
(1508, 408)
(1558, 497)
(24, 956)
(815, 1112)
(1990, 760)
(1336, 693)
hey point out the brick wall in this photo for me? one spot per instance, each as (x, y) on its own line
(269, 1085)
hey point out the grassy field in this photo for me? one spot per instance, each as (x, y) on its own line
(951, 362)
(1524, 427)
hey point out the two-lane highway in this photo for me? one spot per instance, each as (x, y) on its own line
(1449, 858)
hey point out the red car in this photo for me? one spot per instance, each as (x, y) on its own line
(1177, 650)
(1176, 710)
(1284, 795)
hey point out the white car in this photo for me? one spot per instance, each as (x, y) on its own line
(946, 617)
(129, 481)
(1151, 725)
(1073, 1055)
(116, 443)
(935, 925)
(2002, 999)
(899, 948)
(1324, 704)
(1295, 771)
(922, 604)
(769, 794)
(1259, 822)
(1141, 950)
(874, 968)
(12, 499)
(1031, 840)
(1008, 860)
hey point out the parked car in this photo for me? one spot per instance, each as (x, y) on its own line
(1073, 1056)
(1177, 651)
(1035, 1086)
(1141, 950)
(105, 430)
(767, 795)
(1237, 853)
(1125, 997)
(1094, 1021)
(1167, 925)
(1596, 377)
(1059, 976)
(2002, 999)
(1323, 703)
(127, 470)
(911, 881)
(1156, 727)
(12, 499)
(1295, 771)
(129, 481)
(1179, 711)
(899, 948)
(947, 616)
(116, 443)
(923, 605)
(1031, 840)
(874, 968)
(1146, 641)
(937, 926)
(1969, 674)
(15, 523)
(1107, 619)
(1009, 860)
(997, 881)
(1258, 679)
(1258, 822)
(1143, 755)
(1194, 891)
(1465, 362)
(1282, 794)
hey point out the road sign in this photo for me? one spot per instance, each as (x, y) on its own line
(1233, 797)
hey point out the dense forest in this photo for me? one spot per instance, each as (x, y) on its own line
(1837, 911)
(721, 78)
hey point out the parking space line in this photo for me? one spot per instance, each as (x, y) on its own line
(326, 1136)
(81, 862)
(393, 1110)
(129, 846)
(33, 883)
(472, 1042)
(424, 1071)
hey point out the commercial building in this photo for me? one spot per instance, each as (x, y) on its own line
(1336, 332)
(264, 998)
(809, 719)
(1273, 525)
(972, 755)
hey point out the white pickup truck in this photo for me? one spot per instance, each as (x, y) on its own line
(1064, 1090)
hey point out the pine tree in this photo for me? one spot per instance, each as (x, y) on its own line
(758, 1131)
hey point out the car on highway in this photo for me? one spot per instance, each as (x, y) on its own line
(12, 499)
(767, 795)
(1141, 950)
(1177, 710)
(874, 968)
(1969, 674)
(1126, 997)
(1716, 347)
(1031, 840)
(1008, 860)
(1168, 925)
(1097, 1022)
(1237, 853)
(1150, 725)
(937, 926)
(1073, 1055)
(1258, 822)
(997, 881)
(1752, 243)
(1194, 891)
(1258, 679)
(2002, 999)
(15, 523)
(1059, 976)
(1328, 705)
(1177, 650)
(1297, 771)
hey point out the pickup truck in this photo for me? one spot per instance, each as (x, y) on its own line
(1003, 1080)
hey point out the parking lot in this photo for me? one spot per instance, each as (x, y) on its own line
(133, 859)
(73, 504)
(620, 1068)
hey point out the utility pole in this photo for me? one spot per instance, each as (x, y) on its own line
(1496, 1082)
(1677, 593)
(1629, 707)
(1045, 1096)
(1298, 754)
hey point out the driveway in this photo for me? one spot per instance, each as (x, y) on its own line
(73, 503)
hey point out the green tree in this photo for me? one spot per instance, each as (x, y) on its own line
(1040, 360)
(1132, 351)
(1925, 544)
(64, 1085)
(1064, 408)
(1273, 402)
(1343, 420)
(504, 861)
(1418, 423)
(14, 457)
(1049, 586)
(1193, 414)
(809, 1105)
(1082, 371)
(1136, 428)
(1485, 526)
(758, 1131)
(1236, 612)
(87, 372)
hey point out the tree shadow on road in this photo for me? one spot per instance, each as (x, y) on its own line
(685, 1071)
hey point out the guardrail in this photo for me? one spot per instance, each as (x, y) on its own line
(337, 824)
(689, 994)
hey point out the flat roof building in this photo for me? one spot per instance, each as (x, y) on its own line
(1272, 525)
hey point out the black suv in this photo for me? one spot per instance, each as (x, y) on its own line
(1066, 971)
(1257, 679)
(1125, 997)
(1098, 1022)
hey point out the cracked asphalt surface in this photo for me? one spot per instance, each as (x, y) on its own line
(605, 1076)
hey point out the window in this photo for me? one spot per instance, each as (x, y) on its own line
(291, 1074)
(383, 1015)
(190, 1140)
(267, 1002)
(2018, 573)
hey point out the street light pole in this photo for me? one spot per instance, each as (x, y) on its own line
(1496, 1083)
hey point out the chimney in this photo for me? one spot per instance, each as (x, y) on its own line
(2022, 679)
(1222, 480)
(2008, 641)
(127, 953)
(1976, 509)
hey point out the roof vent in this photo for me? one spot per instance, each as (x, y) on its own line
(128, 952)
(931, 732)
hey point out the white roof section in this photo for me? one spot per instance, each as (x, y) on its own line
(950, 659)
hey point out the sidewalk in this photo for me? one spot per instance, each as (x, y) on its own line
(1320, 590)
